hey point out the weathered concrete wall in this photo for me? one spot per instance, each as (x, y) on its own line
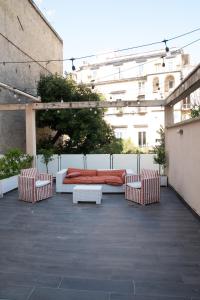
(183, 152)
(25, 35)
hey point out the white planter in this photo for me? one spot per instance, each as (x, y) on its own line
(163, 180)
(8, 184)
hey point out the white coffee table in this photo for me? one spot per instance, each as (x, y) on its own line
(87, 193)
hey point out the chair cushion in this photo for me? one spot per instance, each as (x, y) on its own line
(135, 184)
(40, 183)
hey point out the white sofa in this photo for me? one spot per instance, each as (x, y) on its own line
(68, 188)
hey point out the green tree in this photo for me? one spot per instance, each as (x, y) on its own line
(195, 111)
(160, 157)
(47, 156)
(85, 129)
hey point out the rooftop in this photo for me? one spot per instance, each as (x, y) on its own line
(114, 251)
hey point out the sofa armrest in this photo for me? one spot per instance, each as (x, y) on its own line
(60, 176)
(130, 172)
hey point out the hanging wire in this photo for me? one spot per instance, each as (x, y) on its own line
(92, 55)
(147, 62)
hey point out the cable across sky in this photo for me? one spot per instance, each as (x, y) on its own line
(72, 59)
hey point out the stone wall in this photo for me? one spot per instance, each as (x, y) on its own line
(25, 35)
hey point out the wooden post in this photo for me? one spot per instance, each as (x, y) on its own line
(30, 130)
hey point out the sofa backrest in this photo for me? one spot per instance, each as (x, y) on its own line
(118, 173)
(82, 172)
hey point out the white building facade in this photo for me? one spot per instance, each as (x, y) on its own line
(145, 76)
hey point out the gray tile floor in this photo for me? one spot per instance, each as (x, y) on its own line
(118, 250)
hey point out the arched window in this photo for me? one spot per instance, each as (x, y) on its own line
(169, 83)
(156, 84)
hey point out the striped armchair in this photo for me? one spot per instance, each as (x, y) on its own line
(34, 186)
(144, 188)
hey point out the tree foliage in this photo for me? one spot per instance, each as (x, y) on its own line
(85, 129)
(195, 111)
(160, 157)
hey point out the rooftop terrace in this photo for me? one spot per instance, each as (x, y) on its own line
(118, 250)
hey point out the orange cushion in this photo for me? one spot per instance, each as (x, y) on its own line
(73, 174)
(84, 180)
(110, 173)
(82, 172)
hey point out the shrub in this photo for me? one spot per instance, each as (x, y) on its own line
(13, 161)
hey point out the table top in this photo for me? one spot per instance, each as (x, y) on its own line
(87, 187)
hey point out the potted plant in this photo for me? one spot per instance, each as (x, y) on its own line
(160, 157)
(47, 156)
(10, 165)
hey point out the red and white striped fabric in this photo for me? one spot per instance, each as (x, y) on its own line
(150, 187)
(27, 185)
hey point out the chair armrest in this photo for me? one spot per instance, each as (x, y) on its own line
(132, 178)
(45, 176)
(148, 182)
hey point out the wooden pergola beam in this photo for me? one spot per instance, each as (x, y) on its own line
(85, 104)
(98, 104)
(190, 83)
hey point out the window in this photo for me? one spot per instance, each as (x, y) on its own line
(186, 103)
(142, 138)
(140, 70)
(157, 67)
(120, 133)
(170, 66)
(156, 84)
(141, 88)
(169, 83)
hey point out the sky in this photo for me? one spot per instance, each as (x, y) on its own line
(90, 27)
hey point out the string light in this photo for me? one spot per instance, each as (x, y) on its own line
(73, 66)
(92, 82)
(92, 55)
(163, 63)
(166, 48)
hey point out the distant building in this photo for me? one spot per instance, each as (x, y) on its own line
(144, 76)
(25, 35)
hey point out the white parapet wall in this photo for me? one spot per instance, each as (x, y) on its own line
(98, 161)
(53, 166)
(183, 152)
(125, 161)
(147, 162)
